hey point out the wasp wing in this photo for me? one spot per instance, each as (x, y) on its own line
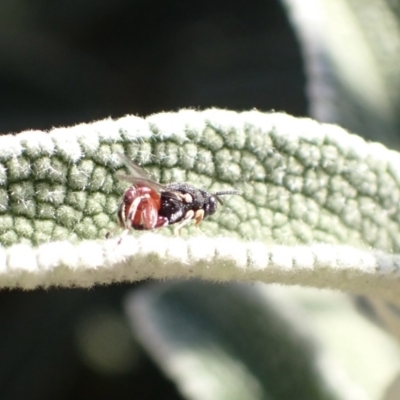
(134, 169)
(137, 175)
(137, 180)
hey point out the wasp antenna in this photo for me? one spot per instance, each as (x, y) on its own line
(225, 192)
(220, 201)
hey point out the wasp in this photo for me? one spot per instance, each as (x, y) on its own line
(147, 204)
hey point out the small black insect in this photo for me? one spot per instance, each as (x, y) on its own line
(149, 205)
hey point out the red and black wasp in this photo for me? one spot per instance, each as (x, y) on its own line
(148, 204)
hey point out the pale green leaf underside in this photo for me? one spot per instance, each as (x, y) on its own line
(303, 183)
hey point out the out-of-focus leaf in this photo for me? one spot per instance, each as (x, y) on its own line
(231, 342)
(351, 51)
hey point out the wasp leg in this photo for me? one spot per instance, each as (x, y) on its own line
(188, 217)
(198, 216)
(132, 211)
(112, 232)
(128, 221)
(123, 234)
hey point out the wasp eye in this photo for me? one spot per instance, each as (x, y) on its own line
(211, 206)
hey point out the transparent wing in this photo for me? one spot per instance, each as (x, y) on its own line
(137, 175)
(134, 169)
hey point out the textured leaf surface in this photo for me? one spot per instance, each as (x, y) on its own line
(303, 183)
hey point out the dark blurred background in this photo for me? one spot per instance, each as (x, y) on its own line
(66, 62)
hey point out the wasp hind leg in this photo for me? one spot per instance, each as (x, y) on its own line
(188, 217)
(128, 220)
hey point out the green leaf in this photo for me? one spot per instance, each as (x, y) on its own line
(319, 206)
(351, 52)
(234, 342)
